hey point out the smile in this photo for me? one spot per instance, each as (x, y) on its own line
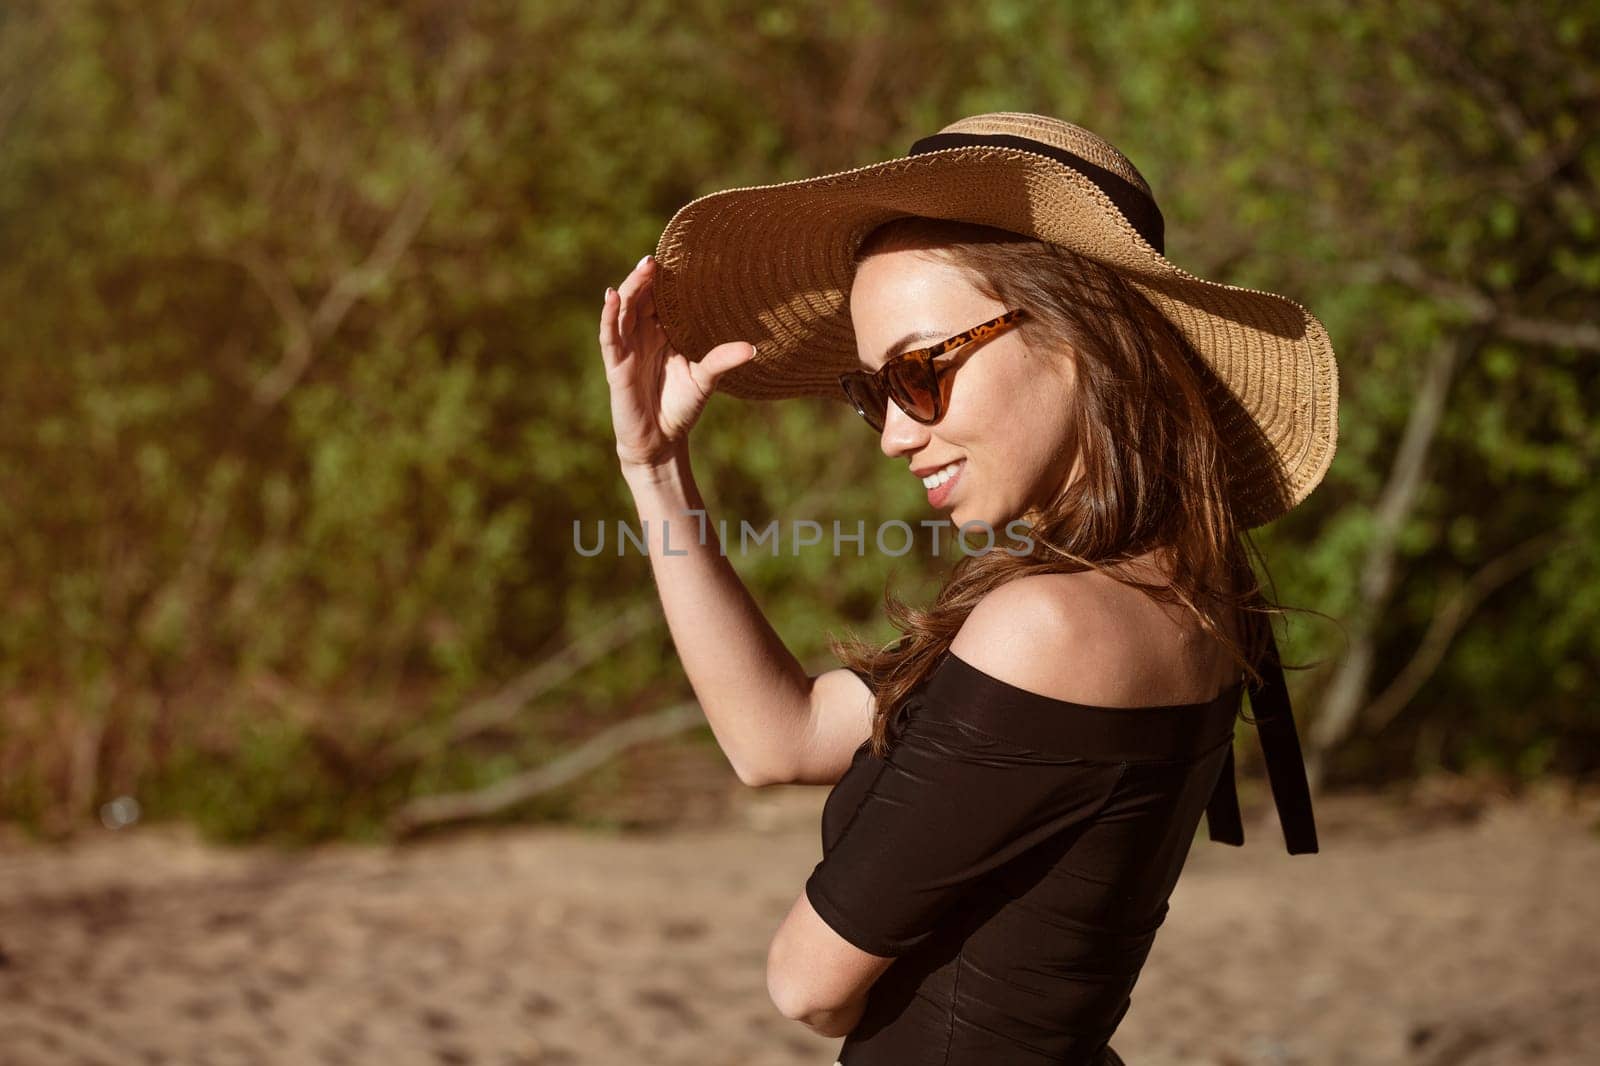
(939, 477)
(942, 483)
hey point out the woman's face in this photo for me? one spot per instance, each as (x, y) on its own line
(1006, 418)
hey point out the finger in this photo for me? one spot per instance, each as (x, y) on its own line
(647, 307)
(720, 360)
(610, 343)
(629, 290)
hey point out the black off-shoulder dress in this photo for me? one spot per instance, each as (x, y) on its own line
(1016, 853)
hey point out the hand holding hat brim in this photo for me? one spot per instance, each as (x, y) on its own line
(657, 395)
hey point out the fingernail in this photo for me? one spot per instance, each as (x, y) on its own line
(642, 261)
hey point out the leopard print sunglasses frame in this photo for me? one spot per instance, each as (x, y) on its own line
(911, 379)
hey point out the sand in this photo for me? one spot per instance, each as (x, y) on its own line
(1437, 932)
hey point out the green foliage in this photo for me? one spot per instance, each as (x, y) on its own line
(300, 398)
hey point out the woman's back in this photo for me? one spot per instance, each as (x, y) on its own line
(1016, 852)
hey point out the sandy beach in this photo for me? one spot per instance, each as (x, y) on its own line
(1438, 931)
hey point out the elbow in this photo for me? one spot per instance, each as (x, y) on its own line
(833, 1023)
(798, 1001)
(797, 1006)
(789, 1004)
(758, 776)
(785, 988)
(781, 989)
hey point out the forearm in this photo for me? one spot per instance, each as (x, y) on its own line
(753, 690)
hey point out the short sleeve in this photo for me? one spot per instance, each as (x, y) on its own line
(948, 804)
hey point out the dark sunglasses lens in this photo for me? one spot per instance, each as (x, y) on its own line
(915, 389)
(861, 392)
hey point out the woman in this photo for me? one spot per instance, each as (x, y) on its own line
(1017, 780)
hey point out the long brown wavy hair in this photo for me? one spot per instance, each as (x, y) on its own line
(1153, 477)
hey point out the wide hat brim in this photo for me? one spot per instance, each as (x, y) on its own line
(773, 265)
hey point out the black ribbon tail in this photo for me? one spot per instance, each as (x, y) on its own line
(1280, 743)
(1222, 813)
(1286, 768)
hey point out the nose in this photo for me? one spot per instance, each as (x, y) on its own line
(902, 434)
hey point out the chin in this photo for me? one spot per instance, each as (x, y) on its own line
(962, 515)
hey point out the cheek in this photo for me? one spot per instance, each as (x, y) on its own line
(995, 396)
(1034, 397)
(1043, 421)
(1012, 416)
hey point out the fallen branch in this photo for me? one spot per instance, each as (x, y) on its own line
(502, 708)
(429, 811)
(506, 705)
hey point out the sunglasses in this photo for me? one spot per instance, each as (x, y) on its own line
(911, 379)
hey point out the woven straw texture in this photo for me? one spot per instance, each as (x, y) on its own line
(773, 265)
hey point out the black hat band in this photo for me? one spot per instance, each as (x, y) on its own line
(1139, 209)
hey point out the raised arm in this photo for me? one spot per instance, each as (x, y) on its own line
(773, 721)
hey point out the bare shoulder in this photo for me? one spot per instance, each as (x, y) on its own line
(1087, 638)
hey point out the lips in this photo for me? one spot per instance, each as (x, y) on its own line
(934, 469)
(938, 495)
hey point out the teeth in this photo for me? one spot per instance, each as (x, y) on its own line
(939, 477)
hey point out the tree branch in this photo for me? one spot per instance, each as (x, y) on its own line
(1343, 701)
(1553, 333)
(342, 294)
(502, 707)
(1448, 621)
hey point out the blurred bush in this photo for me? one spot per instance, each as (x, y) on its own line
(300, 397)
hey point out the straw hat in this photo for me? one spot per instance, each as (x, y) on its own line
(773, 265)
